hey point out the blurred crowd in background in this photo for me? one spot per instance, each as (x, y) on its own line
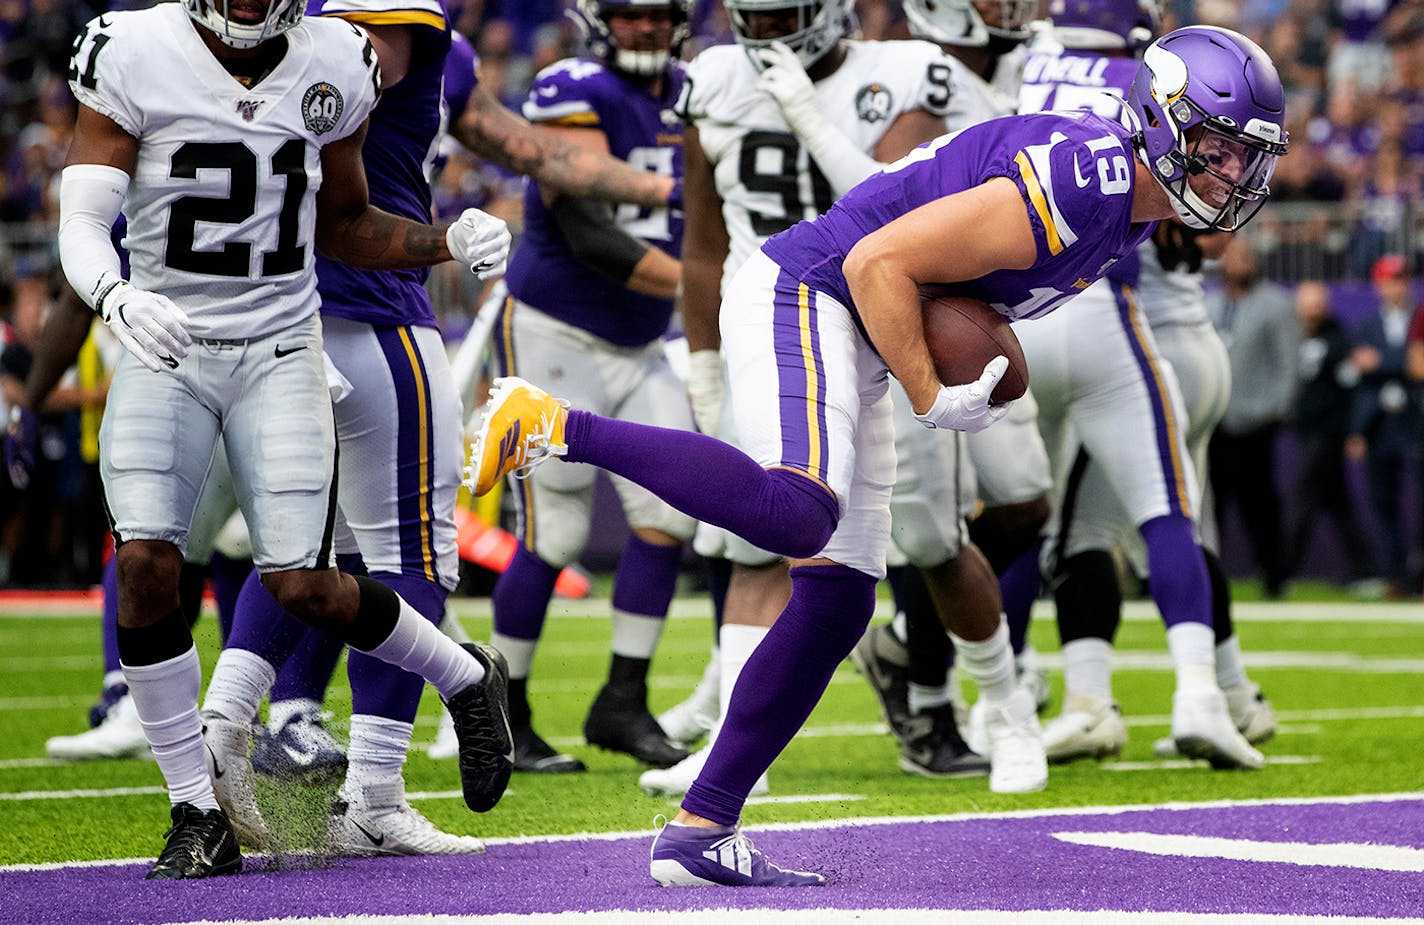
(1330, 485)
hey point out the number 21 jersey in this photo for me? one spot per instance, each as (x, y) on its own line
(221, 208)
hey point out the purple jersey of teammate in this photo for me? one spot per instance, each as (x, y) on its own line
(642, 130)
(405, 129)
(1076, 172)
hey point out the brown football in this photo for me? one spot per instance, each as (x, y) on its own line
(963, 335)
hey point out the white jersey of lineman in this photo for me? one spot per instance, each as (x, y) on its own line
(763, 173)
(222, 205)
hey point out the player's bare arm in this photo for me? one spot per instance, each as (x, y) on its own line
(705, 245)
(955, 238)
(99, 140)
(350, 229)
(392, 45)
(496, 134)
(910, 129)
(595, 237)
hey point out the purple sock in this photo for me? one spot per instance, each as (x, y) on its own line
(379, 688)
(306, 674)
(647, 578)
(110, 617)
(779, 510)
(261, 626)
(521, 596)
(1179, 583)
(830, 607)
(227, 577)
(1019, 586)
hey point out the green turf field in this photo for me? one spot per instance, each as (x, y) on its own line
(1346, 679)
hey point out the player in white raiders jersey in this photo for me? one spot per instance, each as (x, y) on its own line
(1006, 463)
(233, 140)
(1108, 399)
(760, 156)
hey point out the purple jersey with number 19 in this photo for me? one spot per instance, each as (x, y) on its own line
(1076, 172)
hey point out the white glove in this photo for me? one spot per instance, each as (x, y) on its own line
(149, 325)
(785, 81)
(479, 241)
(966, 407)
(704, 389)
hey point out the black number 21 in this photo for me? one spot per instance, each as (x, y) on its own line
(235, 257)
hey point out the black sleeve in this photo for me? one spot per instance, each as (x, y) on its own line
(595, 239)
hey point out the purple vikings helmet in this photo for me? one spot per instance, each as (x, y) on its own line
(959, 22)
(1210, 111)
(1128, 24)
(820, 24)
(592, 18)
(212, 15)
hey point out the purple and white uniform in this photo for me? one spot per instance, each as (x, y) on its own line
(791, 329)
(400, 427)
(567, 323)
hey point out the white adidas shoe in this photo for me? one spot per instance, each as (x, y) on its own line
(1202, 728)
(1017, 763)
(446, 745)
(375, 819)
(1087, 728)
(675, 781)
(228, 747)
(1252, 713)
(694, 717)
(120, 735)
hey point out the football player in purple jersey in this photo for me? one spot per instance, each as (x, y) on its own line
(1022, 212)
(590, 296)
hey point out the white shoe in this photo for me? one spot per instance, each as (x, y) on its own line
(228, 749)
(375, 819)
(1251, 712)
(1016, 762)
(976, 730)
(120, 735)
(445, 744)
(676, 780)
(694, 717)
(1202, 728)
(1087, 728)
(1030, 674)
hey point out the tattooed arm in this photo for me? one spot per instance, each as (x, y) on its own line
(496, 134)
(351, 230)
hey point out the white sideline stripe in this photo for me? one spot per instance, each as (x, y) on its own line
(1306, 716)
(1056, 812)
(1306, 854)
(1174, 764)
(81, 794)
(805, 798)
(39, 703)
(1159, 660)
(828, 916)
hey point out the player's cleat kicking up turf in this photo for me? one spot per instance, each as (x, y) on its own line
(377, 820)
(302, 750)
(1087, 728)
(523, 426)
(226, 744)
(200, 844)
(481, 716)
(685, 855)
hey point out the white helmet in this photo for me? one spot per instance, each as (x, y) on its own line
(958, 22)
(281, 16)
(820, 24)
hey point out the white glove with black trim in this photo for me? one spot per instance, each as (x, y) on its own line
(704, 389)
(149, 325)
(966, 407)
(479, 241)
